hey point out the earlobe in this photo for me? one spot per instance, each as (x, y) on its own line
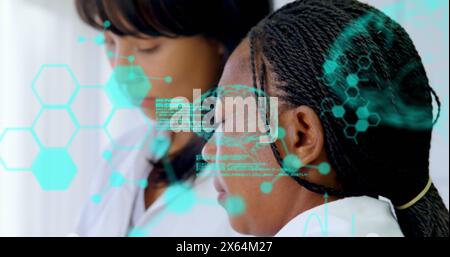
(304, 133)
(217, 46)
(221, 49)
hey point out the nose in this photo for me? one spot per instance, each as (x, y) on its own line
(121, 55)
(119, 60)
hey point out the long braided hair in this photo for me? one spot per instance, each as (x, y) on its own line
(315, 49)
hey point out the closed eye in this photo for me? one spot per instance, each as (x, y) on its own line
(148, 50)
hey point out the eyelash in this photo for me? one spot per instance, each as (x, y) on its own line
(148, 50)
(110, 43)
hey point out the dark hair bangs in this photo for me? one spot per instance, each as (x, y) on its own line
(227, 21)
(129, 17)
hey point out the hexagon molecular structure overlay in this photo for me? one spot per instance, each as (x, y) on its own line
(54, 169)
(13, 156)
(131, 123)
(128, 86)
(54, 85)
(55, 127)
(86, 109)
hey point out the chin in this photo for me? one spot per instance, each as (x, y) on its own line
(239, 225)
(242, 226)
(149, 113)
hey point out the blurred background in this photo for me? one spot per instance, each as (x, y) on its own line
(37, 33)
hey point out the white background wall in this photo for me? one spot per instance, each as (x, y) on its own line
(35, 32)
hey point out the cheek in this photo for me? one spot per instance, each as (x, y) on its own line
(252, 184)
(190, 66)
(262, 211)
(254, 165)
(156, 70)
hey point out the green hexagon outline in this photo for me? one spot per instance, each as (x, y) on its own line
(54, 66)
(3, 163)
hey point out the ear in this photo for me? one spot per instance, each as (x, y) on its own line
(304, 133)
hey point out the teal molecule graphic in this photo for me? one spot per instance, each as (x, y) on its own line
(234, 205)
(363, 99)
(50, 121)
(128, 86)
(182, 204)
(352, 82)
(362, 125)
(136, 232)
(114, 128)
(117, 179)
(99, 39)
(338, 111)
(266, 187)
(291, 163)
(159, 146)
(354, 123)
(59, 121)
(324, 168)
(354, 110)
(321, 219)
(50, 161)
(54, 169)
(57, 78)
(84, 104)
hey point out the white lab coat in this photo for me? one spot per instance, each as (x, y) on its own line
(352, 216)
(121, 211)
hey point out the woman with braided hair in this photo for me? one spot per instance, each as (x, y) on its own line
(355, 122)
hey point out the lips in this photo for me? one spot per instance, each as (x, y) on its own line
(220, 189)
(148, 102)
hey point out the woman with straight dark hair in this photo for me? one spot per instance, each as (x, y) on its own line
(187, 43)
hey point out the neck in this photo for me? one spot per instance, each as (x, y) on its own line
(306, 200)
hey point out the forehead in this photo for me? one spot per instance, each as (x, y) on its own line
(238, 67)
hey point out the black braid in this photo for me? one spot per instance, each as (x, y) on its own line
(295, 40)
(308, 185)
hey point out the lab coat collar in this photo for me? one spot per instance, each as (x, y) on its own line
(351, 216)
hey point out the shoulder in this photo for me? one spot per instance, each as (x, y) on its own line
(352, 216)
